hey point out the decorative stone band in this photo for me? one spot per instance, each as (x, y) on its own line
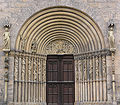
(89, 54)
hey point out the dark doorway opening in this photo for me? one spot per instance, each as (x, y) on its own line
(60, 80)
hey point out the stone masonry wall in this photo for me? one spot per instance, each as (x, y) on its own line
(18, 11)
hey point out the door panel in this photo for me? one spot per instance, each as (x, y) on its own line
(60, 80)
(52, 70)
(68, 94)
(67, 70)
(52, 93)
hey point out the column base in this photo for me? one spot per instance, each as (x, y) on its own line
(43, 103)
(95, 103)
(77, 103)
(3, 103)
(27, 103)
(114, 103)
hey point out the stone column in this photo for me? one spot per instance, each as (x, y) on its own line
(109, 78)
(113, 79)
(6, 76)
(44, 80)
(112, 50)
(6, 50)
(76, 83)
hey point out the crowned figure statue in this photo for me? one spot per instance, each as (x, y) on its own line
(6, 35)
(111, 37)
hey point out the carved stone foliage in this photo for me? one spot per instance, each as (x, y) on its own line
(60, 47)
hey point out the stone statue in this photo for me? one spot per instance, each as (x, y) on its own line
(23, 42)
(34, 46)
(6, 38)
(111, 37)
(6, 76)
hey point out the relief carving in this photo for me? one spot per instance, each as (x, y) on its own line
(76, 71)
(39, 70)
(23, 64)
(16, 68)
(104, 67)
(85, 69)
(29, 68)
(44, 70)
(91, 69)
(35, 70)
(60, 47)
(23, 43)
(80, 69)
(97, 67)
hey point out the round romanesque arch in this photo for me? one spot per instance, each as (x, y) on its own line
(49, 28)
(61, 31)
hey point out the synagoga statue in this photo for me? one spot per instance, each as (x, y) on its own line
(6, 35)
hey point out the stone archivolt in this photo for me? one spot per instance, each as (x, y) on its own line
(60, 23)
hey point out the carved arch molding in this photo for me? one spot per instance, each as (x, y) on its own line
(60, 30)
(59, 23)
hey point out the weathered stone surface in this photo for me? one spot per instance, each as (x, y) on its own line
(18, 11)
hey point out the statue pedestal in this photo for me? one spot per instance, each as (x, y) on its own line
(6, 50)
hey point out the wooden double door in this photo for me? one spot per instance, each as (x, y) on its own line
(60, 80)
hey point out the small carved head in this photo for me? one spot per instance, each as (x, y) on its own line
(111, 27)
(7, 27)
